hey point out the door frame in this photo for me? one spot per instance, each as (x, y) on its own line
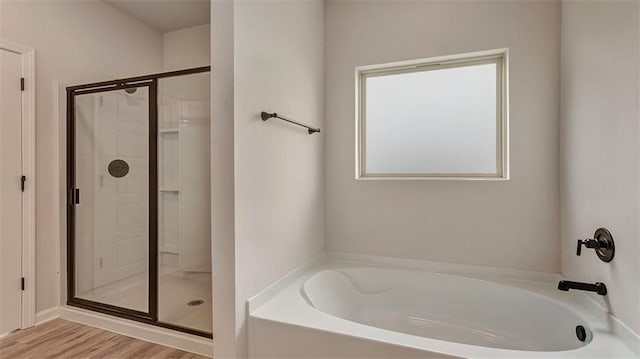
(27, 55)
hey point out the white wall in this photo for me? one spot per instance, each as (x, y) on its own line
(600, 144)
(76, 42)
(278, 59)
(186, 48)
(222, 179)
(513, 224)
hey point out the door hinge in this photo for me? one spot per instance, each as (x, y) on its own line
(22, 283)
(22, 84)
(23, 180)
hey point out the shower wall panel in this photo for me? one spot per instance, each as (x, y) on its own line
(122, 216)
(194, 247)
(184, 165)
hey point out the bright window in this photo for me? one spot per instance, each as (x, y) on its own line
(433, 118)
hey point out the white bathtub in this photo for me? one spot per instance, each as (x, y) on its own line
(446, 307)
(339, 309)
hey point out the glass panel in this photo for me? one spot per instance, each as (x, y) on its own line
(184, 218)
(433, 122)
(112, 218)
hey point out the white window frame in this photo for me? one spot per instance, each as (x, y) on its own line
(497, 56)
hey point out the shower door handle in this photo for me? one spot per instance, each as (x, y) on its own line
(75, 196)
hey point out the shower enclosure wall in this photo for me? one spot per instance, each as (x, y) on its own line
(139, 187)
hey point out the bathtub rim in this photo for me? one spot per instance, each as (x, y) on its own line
(616, 335)
(466, 270)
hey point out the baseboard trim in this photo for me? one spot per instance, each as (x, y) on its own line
(46, 315)
(42, 316)
(150, 333)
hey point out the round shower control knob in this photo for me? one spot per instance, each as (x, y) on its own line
(118, 168)
(607, 249)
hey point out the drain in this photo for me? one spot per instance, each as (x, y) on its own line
(193, 303)
(581, 333)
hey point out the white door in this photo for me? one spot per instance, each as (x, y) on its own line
(10, 192)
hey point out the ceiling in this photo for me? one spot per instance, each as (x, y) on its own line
(166, 15)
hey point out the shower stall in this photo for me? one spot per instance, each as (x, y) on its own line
(138, 214)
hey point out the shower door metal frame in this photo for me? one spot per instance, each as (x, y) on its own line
(152, 313)
(150, 81)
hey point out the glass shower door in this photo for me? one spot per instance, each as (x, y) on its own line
(138, 211)
(111, 198)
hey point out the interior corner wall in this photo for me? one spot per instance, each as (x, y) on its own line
(222, 180)
(279, 187)
(600, 147)
(187, 48)
(511, 224)
(75, 42)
